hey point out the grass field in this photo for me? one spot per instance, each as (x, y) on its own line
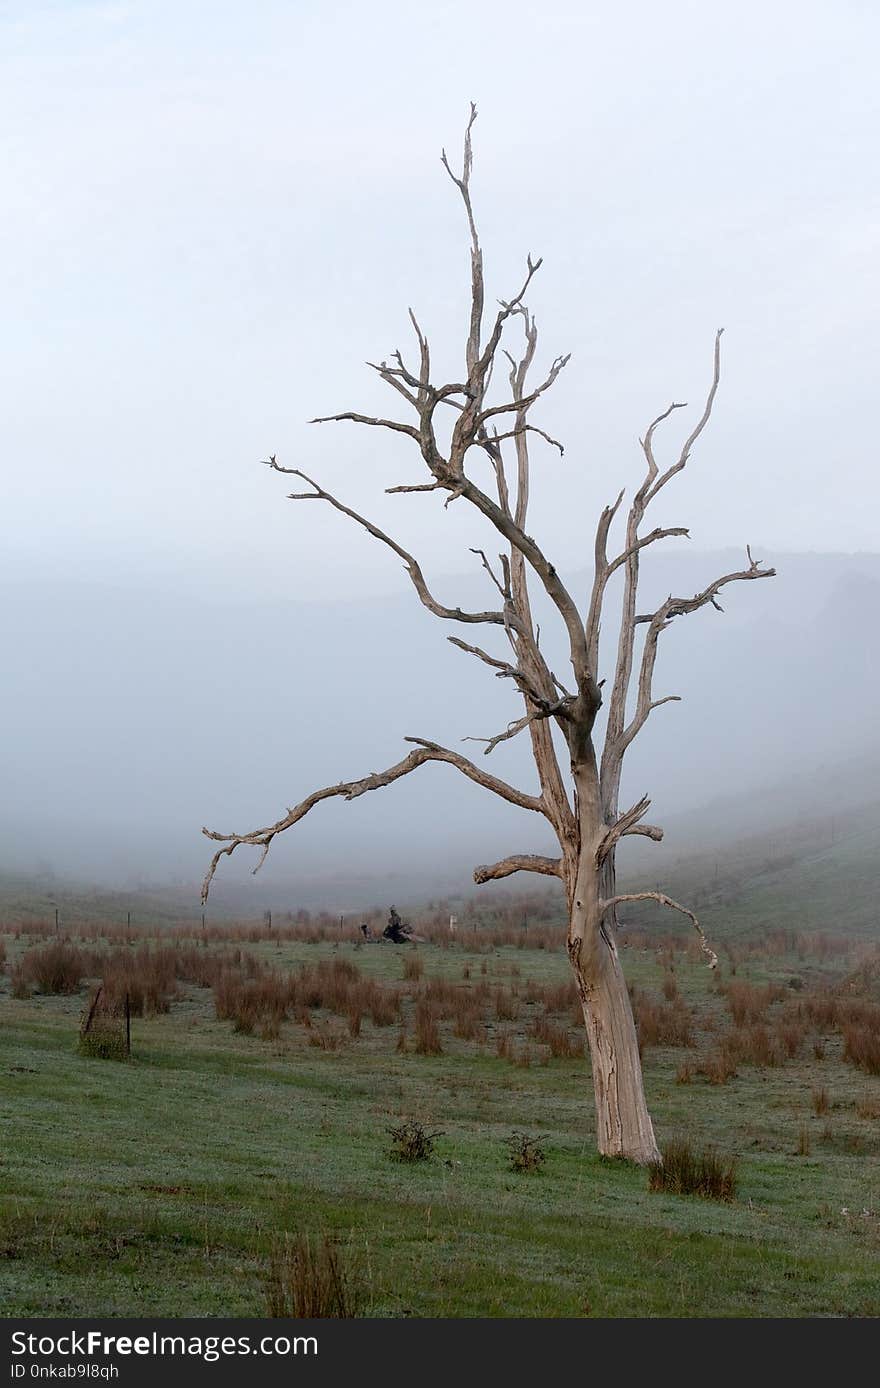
(158, 1186)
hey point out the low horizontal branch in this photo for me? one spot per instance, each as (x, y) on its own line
(518, 862)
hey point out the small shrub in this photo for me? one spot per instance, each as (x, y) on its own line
(525, 1153)
(308, 1280)
(803, 1143)
(684, 1074)
(413, 968)
(684, 1170)
(819, 1050)
(820, 1101)
(410, 1142)
(670, 987)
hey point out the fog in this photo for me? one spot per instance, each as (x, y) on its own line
(215, 215)
(138, 716)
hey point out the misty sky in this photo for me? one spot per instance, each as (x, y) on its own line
(215, 213)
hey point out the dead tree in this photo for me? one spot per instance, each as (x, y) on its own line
(580, 799)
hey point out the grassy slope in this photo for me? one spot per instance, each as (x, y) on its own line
(156, 1187)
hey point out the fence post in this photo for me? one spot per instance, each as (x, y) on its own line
(88, 1025)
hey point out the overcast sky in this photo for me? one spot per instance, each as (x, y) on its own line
(215, 212)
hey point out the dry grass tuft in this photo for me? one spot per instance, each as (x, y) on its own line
(684, 1170)
(308, 1280)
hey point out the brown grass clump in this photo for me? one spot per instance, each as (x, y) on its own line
(252, 1003)
(308, 1279)
(413, 968)
(684, 1170)
(718, 1067)
(749, 1003)
(670, 987)
(753, 1045)
(56, 967)
(861, 1046)
(325, 1038)
(562, 1045)
(427, 1032)
(506, 1005)
(661, 1023)
(468, 1025)
(821, 1102)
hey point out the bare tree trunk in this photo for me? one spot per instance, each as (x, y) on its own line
(623, 1124)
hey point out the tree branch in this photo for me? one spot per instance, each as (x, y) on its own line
(560, 708)
(350, 790)
(628, 823)
(663, 900)
(411, 564)
(658, 622)
(518, 862)
(377, 423)
(511, 794)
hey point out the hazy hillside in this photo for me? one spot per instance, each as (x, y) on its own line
(742, 864)
(133, 717)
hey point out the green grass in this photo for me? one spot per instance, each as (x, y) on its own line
(157, 1187)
